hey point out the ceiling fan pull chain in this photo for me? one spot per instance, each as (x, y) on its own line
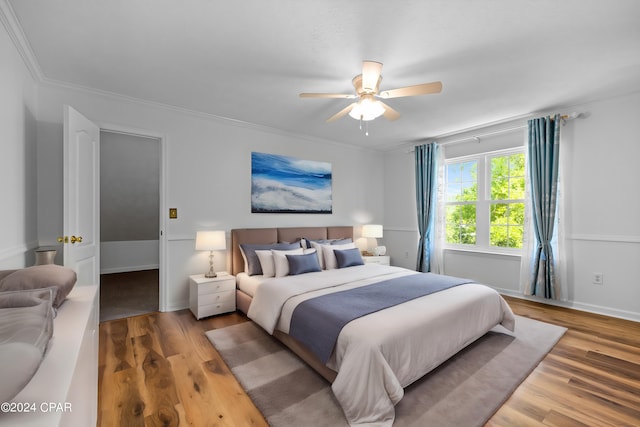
(366, 127)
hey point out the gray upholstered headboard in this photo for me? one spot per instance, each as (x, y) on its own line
(280, 234)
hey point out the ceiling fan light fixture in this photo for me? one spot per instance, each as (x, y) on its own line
(366, 109)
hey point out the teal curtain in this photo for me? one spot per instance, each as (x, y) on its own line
(426, 169)
(543, 155)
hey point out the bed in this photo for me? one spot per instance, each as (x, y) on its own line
(378, 354)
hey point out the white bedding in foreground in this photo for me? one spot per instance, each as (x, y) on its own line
(379, 354)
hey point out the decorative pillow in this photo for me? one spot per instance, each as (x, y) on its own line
(42, 276)
(330, 261)
(318, 248)
(306, 263)
(307, 243)
(348, 257)
(266, 262)
(341, 241)
(251, 261)
(280, 260)
(26, 326)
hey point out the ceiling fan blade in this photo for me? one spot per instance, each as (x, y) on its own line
(422, 89)
(389, 113)
(370, 75)
(327, 95)
(341, 113)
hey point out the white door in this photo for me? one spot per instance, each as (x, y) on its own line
(81, 207)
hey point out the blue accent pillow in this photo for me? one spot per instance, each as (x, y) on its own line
(348, 257)
(306, 263)
(251, 259)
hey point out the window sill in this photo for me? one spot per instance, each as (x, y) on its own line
(484, 251)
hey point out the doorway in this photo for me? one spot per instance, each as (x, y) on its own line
(130, 182)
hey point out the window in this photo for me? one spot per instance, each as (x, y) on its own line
(485, 201)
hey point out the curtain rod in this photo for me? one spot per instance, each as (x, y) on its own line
(563, 117)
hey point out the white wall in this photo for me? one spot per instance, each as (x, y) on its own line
(18, 192)
(207, 170)
(602, 224)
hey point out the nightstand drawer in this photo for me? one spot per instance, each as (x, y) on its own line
(216, 297)
(380, 259)
(217, 286)
(218, 308)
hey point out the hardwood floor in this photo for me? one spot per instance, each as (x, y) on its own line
(160, 370)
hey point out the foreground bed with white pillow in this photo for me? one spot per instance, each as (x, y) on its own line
(48, 348)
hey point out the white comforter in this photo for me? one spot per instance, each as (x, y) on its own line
(379, 354)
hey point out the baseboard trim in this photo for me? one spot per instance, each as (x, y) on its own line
(176, 307)
(589, 308)
(129, 268)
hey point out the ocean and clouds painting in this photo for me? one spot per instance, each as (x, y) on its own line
(281, 184)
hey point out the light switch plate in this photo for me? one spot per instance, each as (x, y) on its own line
(173, 213)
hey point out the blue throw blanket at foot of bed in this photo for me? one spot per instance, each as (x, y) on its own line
(317, 322)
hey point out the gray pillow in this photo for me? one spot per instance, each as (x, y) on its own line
(348, 257)
(62, 279)
(299, 264)
(26, 326)
(341, 241)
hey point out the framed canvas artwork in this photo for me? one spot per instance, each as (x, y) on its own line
(282, 184)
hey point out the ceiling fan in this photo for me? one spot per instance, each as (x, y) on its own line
(367, 86)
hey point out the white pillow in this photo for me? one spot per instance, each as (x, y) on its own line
(281, 263)
(318, 248)
(330, 262)
(266, 263)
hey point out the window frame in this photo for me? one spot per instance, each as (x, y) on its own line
(483, 202)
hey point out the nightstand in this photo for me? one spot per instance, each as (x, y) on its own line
(380, 259)
(210, 296)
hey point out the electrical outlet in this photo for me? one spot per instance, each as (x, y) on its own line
(598, 279)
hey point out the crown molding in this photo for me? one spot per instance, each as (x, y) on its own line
(14, 30)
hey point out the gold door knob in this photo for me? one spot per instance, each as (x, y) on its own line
(75, 239)
(64, 239)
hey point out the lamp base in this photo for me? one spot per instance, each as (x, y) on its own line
(210, 273)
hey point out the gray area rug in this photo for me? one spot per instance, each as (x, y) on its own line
(464, 391)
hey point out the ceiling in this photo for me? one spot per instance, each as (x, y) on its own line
(248, 60)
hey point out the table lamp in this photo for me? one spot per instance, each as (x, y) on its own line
(211, 241)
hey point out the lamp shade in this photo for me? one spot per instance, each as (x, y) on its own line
(211, 241)
(372, 230)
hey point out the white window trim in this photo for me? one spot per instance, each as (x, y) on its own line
(482, 204)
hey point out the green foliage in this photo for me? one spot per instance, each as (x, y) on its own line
(507, 225)
(461, 224)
